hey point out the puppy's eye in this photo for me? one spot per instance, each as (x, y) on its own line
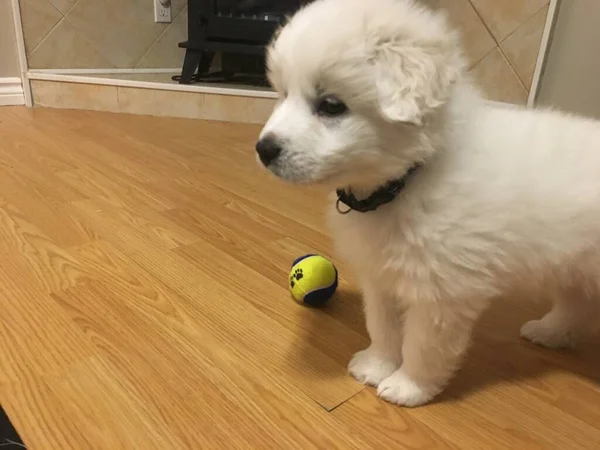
(331, 107)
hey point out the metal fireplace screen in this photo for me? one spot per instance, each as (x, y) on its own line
(268, 10)
(237, 29)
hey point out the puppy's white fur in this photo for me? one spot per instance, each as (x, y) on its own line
(504, 197)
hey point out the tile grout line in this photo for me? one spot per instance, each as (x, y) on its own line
(84, 37)
(498, 46)
(135, 66)
(512, 33)
(485, 25)
(63, 17)
(472, 66)
(507, 61)
(483, 22)
(526, 20)
(32, 51)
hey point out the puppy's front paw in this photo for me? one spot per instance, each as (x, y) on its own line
(540, 333)
(401, 390)
(368, 368)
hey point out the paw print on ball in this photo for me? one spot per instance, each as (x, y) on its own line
(296, 276)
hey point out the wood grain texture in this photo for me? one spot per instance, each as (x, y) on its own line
(144, 305)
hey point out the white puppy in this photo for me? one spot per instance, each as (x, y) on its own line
(484, 198)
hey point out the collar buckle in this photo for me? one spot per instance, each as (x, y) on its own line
(339, 208)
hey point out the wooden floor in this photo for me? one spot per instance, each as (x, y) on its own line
(143, 305)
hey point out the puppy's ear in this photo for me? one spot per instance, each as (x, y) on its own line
(413, 78)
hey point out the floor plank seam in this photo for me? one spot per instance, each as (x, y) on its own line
(331, 410)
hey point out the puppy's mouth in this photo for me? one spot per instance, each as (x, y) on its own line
(305, 175)
(296, 167)
(291, 174)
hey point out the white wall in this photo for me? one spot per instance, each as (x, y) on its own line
(571, 77)
(9, 60)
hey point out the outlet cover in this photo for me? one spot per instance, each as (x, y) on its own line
(162, 11)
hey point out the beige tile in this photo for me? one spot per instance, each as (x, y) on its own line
(177, 6)
(522, 47)
(229, 108)
(224, 108)
(165, 52)
(64, 6)
(74, 95)
(504, 16)
(160, 103)
(122, 31)
(498, 79)
(476, 38)
(39, 17)
(65, 48)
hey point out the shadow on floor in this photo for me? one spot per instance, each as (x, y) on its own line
(498, 355)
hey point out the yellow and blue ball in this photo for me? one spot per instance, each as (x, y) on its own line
(313, 280)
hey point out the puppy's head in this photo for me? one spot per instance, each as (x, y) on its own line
(357, 81)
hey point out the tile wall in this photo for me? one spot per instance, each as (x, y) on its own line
(90, 34)
(501, 37)
(502, 40)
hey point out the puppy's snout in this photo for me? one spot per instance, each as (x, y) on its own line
(268, 149)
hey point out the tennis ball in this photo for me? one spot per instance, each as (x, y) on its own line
(313, 280)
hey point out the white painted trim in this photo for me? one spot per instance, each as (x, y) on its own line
(11, 85)
(197, 88)
(21, 51)
(102, 71)
(12, 100)
(11, 91)
(543, 53)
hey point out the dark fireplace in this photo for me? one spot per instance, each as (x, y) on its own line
(238, 30)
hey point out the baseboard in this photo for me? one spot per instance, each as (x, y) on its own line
(11, 92)
(103, 71)
(237, 91)
(16, 9)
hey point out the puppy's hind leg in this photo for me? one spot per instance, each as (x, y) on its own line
(384, 324)
(572, 316)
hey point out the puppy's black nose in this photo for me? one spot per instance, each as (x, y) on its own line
(268, 149)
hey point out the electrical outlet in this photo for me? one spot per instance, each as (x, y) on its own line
(162, 11)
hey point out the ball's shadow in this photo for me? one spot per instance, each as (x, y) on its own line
(336, 330)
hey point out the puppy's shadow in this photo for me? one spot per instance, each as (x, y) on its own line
(499, 355)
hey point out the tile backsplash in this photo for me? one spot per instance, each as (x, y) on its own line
(501, 37)
(155, 102)
(91, 34)
(502, 40)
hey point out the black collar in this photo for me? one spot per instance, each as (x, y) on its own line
(381, 196)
